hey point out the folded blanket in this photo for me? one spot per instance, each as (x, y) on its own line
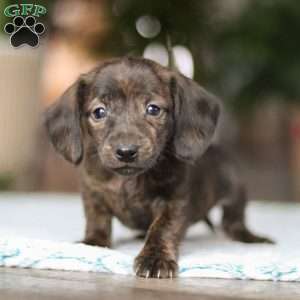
(38, 230)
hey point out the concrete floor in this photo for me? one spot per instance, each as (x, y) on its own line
(17, 284)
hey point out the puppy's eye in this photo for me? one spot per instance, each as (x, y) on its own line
(99, 113)
(153, 110)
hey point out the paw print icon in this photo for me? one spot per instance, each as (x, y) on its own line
(24, 31)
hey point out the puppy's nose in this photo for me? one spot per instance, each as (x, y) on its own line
(127, 153)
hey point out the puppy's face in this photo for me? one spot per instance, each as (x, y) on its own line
(127, 115)
(127, 111)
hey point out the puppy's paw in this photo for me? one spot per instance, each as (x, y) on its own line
(155, 267)
(242, 234)
(95, 242)
(258, 239)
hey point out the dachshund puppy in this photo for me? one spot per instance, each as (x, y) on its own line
(141, 137)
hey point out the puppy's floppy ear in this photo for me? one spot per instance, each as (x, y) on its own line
(62, 121)
(196, 114)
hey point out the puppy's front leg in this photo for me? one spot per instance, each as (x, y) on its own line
(159, 255)
(98, 220)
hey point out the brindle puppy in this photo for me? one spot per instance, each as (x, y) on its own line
(140, 134)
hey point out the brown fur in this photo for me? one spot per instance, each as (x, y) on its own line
(175, 178)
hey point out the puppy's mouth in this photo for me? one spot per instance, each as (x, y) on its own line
(128, 170)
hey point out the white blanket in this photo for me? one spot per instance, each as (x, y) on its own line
(38, 231)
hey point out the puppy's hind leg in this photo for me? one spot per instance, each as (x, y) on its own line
(233, 221)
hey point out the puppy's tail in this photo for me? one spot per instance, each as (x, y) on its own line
(209, 223)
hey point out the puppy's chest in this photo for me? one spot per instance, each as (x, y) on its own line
(128, 201)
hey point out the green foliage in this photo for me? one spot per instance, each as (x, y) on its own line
(259, 53)
(245, 59)
(184, 20)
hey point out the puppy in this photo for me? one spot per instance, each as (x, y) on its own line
(141, 137)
